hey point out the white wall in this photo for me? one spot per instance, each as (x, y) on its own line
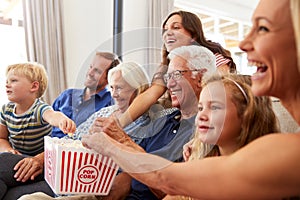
(134, 31)
(87, 25)
(236, 9)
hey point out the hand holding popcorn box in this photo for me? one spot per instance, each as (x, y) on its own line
(70, 168)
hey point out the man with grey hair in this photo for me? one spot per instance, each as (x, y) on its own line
(166, 136)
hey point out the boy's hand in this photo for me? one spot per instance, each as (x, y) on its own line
(67, 126)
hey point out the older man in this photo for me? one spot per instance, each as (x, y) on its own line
(166, 136)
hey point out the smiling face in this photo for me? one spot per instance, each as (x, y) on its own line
(174, 33)
(96, 77)
(271, 47)
(217, 121)
(185, 91)
(122, 92)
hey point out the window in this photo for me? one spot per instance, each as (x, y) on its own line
(12, 39)
(219, 27)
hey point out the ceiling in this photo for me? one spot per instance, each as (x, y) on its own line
(9, 8)
(11, 12)
(227, 21)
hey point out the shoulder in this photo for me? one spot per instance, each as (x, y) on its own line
(104, 92)
(41, 105)
(67, 94)
(105, 111)
(164, 112)
(7, 108)
(70, 91)
(221, 60)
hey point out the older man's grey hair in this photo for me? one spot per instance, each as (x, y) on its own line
(198, 57)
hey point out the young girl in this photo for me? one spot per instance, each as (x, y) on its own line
(24, 122)
(229, 117)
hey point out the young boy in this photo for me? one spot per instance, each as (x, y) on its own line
(24, 122)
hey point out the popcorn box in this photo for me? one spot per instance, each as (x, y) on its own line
(71, 168)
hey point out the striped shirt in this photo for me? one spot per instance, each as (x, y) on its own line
(221, 60)
(26, 130)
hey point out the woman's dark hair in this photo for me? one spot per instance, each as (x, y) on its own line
(192, 23)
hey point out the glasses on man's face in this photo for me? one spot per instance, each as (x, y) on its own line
(177, 75)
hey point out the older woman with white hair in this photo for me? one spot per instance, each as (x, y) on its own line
(127, 81)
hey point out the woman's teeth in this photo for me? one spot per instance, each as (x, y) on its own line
(256, 64)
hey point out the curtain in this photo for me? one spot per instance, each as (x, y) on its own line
(44, 41)
(158, 11)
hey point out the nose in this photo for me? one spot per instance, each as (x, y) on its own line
(171, 83)
(7, 84)
(115, 94)
(246, 44)
(202, 115)
(167, 32)
(90, 72)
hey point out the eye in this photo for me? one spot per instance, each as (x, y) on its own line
(176, 27)
(262, 29)
(214, 107)
(200, 108)
(177, 75)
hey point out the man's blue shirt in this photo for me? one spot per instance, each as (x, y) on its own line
(166, 137)
(71, 103)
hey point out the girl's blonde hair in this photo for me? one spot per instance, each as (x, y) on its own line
(33, 72)
(258, 117)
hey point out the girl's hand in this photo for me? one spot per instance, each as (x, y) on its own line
(187, 150)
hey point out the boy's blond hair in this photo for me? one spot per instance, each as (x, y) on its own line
(33, 72)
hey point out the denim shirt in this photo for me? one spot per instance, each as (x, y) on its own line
(166, 137)
(71, 103)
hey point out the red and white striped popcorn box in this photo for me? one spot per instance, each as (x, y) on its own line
(71, 168)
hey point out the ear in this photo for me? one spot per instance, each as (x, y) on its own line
(35, 85)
